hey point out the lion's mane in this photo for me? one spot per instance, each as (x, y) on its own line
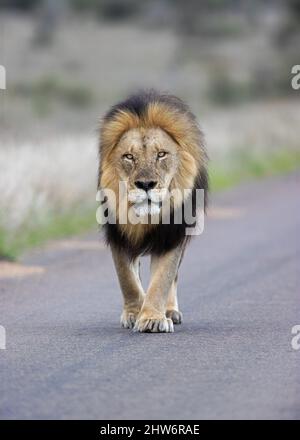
(149, 109)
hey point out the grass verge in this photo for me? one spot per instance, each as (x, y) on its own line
(244, 166)
(236, 169)
(12, 244)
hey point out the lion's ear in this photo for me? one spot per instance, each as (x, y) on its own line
(113, 129)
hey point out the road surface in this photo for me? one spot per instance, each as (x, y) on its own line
(67, 357)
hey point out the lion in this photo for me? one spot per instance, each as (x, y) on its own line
(152, 142)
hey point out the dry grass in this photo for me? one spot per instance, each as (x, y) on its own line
(39, 179)
(54, 181)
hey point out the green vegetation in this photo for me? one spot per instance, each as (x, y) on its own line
(244, 166)
(13, 243)
(238, 168)
(225, 90)
(49, 89)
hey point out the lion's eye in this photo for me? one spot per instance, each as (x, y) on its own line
(161, 154)
(128, 156)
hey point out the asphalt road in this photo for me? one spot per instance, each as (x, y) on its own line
(67, 357)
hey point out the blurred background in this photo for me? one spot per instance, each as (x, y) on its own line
(67, 61)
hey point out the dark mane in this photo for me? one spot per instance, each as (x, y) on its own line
(173, 116)
(137, 103)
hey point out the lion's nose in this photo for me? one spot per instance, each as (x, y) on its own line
(145, 185)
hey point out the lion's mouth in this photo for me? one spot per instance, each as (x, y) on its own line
(147, 207)
(146, 203)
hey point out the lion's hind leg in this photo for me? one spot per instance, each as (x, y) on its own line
(172, 310)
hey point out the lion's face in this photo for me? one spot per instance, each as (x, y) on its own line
(152, 143)
(147, 160)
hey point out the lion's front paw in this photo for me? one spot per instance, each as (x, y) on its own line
(128, 319)
(175, 315)
(154, 325)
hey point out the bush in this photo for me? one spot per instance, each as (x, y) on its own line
(50, 88)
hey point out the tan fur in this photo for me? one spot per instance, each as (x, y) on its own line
(162, 126)
(157, 310)
(181, 130)
(133, 293)
(179, 126)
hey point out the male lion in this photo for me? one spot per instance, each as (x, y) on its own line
(151, 142)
